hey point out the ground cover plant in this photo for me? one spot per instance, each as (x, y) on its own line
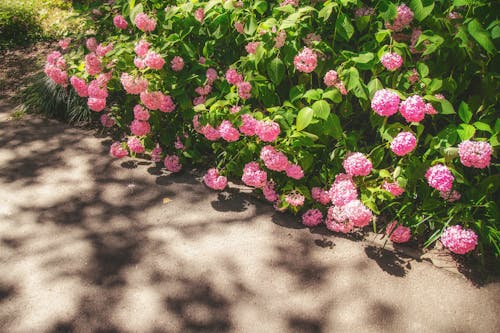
(347, 113)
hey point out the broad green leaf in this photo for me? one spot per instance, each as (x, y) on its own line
(482, 126)
(333, 127)
(260, 7)
(388, 10)
(313, 94)
(445, 107)
(343, 27)
(290, 21)
(353, 78)
(276, 70)
(364, 58)
(296, 92)
(304, 118)
(136, 10)
(421, 11)
(481, 35)
(326, 11)
(464, 112)
(465, 131)
(373, 86)
(250, 26)
(333, 95)
(422, 69)
(321, 109)
(381, 35)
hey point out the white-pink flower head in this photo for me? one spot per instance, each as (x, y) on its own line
(403, 143)
(475, 154)
(391, 61)
(357, 164)
(306, 61)
(385, 102)
(413, 109)
(440, 178)
(458, 240)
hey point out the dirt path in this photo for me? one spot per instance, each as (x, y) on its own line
(93, 244)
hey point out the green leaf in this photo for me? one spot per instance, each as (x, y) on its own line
(136, 10)
(373, 86)
(445, 107)
(353, 78)
(422, 69)
(483, 126)
(344, 27)
(321, 109)
(260, 7)
(388, 10)
(276, 70)
(326, 11)
(304, 118)
(313, 94)
(363, 58)
(481, 35)
(250, 26)
(290, 21)
(333, 95)
(381, 35)
(464, 112)
(421, 11)
(465, 131)
(333, 126)
(296, 92)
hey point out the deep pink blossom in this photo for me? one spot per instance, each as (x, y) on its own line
(391, 61)
(312, 217)
(141, 113)
(249, 125)
(253, 175)
(79, 85)
(120, 22)
(393, 188)
(239, 27)
(153, 60)
(440, 178)
(117, 150)
(320, 195)
(96, 90)
(398, 233)
(306, 61)
(402, 20)
(228, 132)
(93, 64)
(102, 50)
(172, 163)
(211, 75)
(294, 171)
(251, 47)
(96, 104)
(357, 164)
(413, 109)
(214, 180)
(475, 154)
(403, 143)
(135, 145)
(140, 128)
(144, 23)
(156, 154)
(141, 48)
(152, 100)
(199, 14)
(166, 104)
(267, 130)
(244, 90)
(273, 159)
(269, 192)
(233, 77)
(385, 102)
(459, 240)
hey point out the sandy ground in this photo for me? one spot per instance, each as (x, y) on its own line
(93, 244)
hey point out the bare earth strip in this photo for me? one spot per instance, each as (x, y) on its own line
(93, 244)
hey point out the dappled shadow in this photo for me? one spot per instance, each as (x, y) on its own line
(305, 325)
(230, 200)
(391, 262)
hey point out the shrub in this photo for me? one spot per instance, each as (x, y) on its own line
(297, 95)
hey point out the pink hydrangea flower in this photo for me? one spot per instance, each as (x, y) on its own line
(253, 175)
(267, 131)
(172, 163)
(139, 63)
(154, 60)
(320, 195)
(102, 50)
(215, 181)
(294, 3)
(393, 188)
(156, 154)
(140, 128)
(337, 221)
(144, 23)
(64, 43)
(141, 113)
(440, 178)
(280, 39)
(429, 109)
(402, 20)
(294, 171)
(413, 109)
(58, 75)
(120, 22)
(233, 77)
(104, 78)
(239, 27)
(53, 57)
(249, 125)
(312, 217)
(330, 78)
(403, 143)
(357, 164)
(252, 47)
(358, 213)
(211, 133)
(202, 60)
(178, 144)
(199, 14)
(117, 150)
(295, 199)
(235, 109)
(244, 89)
(166, 104)
(152, 100)
(475, 154)
(228, 132)
(96, 104)
(458, 240)
(135, 145)
(177, 64)
(133, 85)
(95, 90)
(385, 102)
(413, 77)
(107, 121)
(273, 159)
(391, 61)
(93, 64)
(142, 48)
(211, 75)
(80, 86)
(199, 100)
(91, 44)
(269, 192)
(450, 196)
(306, 61)
(398, 233)
(203, 91)
(343, 190)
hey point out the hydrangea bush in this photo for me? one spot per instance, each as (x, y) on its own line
(348, 113)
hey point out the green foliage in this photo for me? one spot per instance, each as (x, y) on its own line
(455, 57)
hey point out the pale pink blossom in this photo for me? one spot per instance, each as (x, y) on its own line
(295, 199)
(251, 47)
(330, 78)
(228, 132)
(144, 23)
(156, 154)
(233, 77)
(273, 159)
(93, 64)
(267, 130)
(239, 27)
(343, 190)
(244, 89)
(135, 145)
(102, 50)
(117, 150)
(320, 195)
(133, 85)
(357, 164)
(312, 218)
(214, 180)
(269, 192)
(249, 125)
(294, 171)
(306, 61)
(141, 48)
(404, 143)
(91, 44)
(459, 240)
(253, 175)
(120, 22)
(450, 196)
(475, 154)
(337, 221)
(177, 64)
(96, 104)
(393, 188)
(199, 14)
(141, 113)
(358, 213)
(140, 128)
(64, 43)
(402, 20)
(153, 60)
(413, 109)
(440, 178)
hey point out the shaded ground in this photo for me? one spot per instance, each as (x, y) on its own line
(93, 244)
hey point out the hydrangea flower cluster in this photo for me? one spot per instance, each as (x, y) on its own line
(199, 14)
(312, 217)
(80, 86)
(120, 22)
(252, 47)
(156, 154)
(440, 178)
(135, 145)
(459, 240)
(177, 64)
(64, 43)
(320, 195)
(393, 188)
(228, 132)
(337, 221)
(106, 120)
(398, 233)
(392, 61)
(116, 150)
(475, 154)
(356, 164)
(253, 175)
(403, 143)
(343, 190)
(214, 180)
(385, 102)
(55, 68)
(269, 192)
(144, 23)
(172, 163)
(295, 199)
(306, 61)
(133, 85)
(402, 20)
(413, 109)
